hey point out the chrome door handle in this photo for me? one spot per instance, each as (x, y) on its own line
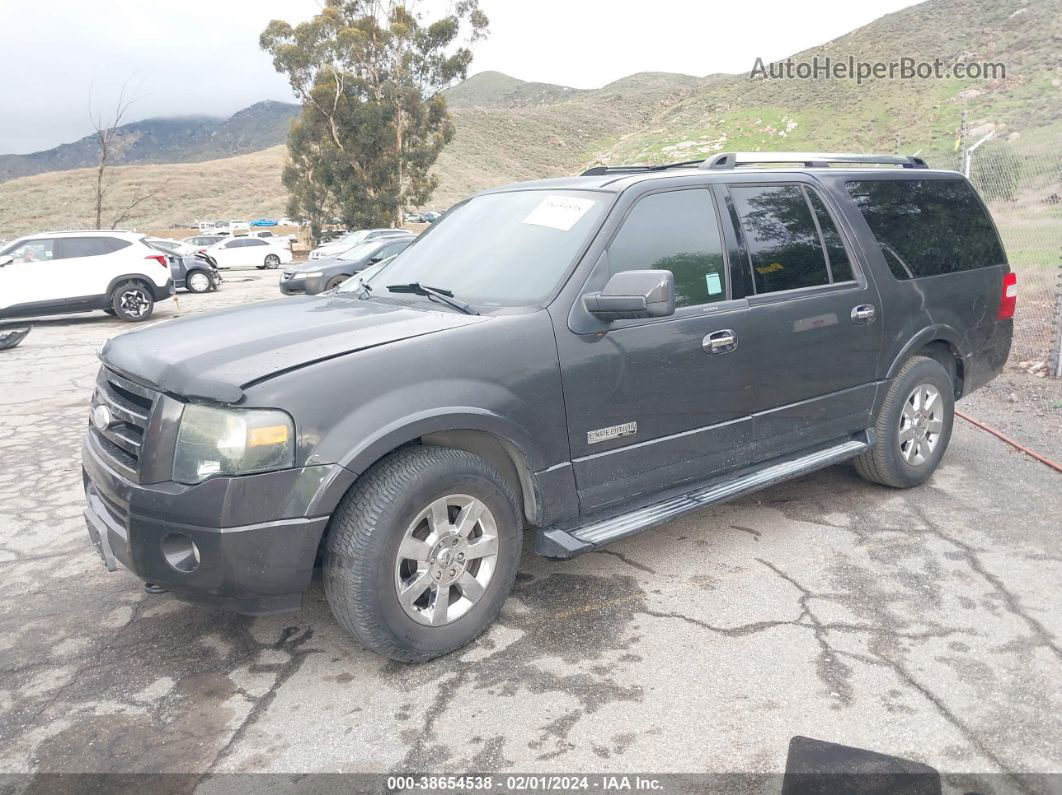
(864, 313)
(719, 342)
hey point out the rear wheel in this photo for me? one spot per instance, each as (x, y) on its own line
(422, 552)
(132, 302)
(913, 427)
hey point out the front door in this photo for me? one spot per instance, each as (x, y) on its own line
(816, 320)
(28, 283)
(654, 403)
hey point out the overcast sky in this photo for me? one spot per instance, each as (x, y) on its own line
(201, 56)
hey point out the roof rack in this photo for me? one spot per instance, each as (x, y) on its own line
(729, 160)
(598, 171)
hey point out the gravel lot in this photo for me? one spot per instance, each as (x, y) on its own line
(923, 624)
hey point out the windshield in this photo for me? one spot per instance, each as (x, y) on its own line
(500, 249)
(359, 251)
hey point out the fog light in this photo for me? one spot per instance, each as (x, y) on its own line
(181, 553)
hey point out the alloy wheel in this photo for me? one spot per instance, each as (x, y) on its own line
(446, 559)
(921, 423)
(134, 302)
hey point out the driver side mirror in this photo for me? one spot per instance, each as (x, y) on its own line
(634, 294)
(7, 259)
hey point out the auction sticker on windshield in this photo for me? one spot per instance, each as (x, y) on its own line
(559, 212)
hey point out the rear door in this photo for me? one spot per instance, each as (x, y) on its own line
(816, 335)
(87, 265)
(652, 403)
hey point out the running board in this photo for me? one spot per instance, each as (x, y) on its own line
(569, 541)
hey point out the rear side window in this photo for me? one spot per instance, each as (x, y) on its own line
(70, 247)
(836, 256)
(928, 227)
(677, 232)
(783, 242)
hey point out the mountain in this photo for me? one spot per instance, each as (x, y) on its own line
(167, 140)
(508, 129)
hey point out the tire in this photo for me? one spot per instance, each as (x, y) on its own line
(906, 457)
(197, 282)
(132, 302)
(272, 261)
(334, 282)
(110, 311)
(366, 559)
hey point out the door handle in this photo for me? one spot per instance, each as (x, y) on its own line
(719, 342)
(864, 313)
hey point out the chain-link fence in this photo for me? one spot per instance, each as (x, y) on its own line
(1021, 179)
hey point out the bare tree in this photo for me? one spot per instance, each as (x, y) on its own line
(109, 149)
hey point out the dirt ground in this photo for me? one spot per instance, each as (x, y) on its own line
(923, 624)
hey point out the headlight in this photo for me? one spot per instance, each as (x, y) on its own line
(213, 441)
(308, 275)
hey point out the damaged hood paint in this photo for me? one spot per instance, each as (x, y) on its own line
(215, 355)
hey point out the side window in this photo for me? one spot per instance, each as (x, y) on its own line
(840, 267)
(33, 251)
(88, 246)
(783, 242)
(392, 249)
(253, 241)
(676, 231)
(928, 227)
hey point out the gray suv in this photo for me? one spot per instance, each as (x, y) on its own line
(580, 358)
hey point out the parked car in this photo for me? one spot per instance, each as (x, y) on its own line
(177, 247)
(325, 274)
(288, 240)
(250, 251)
(347, 241)
(263, 222)
(197, 273)
(585, 357)
(414, 218)
(202, 242)
(430, 217)
(59, 272)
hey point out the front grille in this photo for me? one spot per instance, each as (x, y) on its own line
(121, 440)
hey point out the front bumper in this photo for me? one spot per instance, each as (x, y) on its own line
(244, 544)
(293, 286)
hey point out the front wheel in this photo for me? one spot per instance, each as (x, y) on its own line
(132, 302)
(334, 282)
(272, 261)
(913, 427)
(198, 282)
(422, 552)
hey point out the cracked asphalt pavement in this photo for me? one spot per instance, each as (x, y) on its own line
(923, 624)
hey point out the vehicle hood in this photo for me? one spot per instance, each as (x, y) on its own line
(213, 356)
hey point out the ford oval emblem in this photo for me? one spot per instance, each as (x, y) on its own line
(101, 418)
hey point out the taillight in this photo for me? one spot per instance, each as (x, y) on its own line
(1009, 300)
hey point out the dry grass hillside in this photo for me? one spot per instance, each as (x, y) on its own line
(511, 130)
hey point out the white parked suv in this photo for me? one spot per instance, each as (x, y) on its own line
(58, 272)
(247, 251)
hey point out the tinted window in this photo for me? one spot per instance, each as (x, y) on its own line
(783, 243)
(89, 246)
(928, 227)
(31, 251)
(392, 249)
(840, 267)
(254, 242)
(676, 232)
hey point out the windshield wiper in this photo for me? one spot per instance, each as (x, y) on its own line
(437, 293)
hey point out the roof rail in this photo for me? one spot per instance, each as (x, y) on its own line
(728, 160)
(598, 171)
